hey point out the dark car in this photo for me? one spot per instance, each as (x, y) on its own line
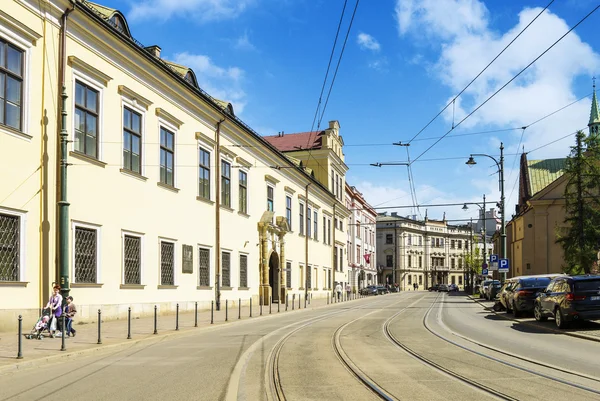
(522, 295)
(492, 290)
(443, 288)
(434, 287)
(382, 290)
(452, 288)
(369, 290)
(568, 299)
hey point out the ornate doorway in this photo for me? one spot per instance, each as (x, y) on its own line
(274, 276)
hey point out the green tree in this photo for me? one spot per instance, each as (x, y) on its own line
(580, 240)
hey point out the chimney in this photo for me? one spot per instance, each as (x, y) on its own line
(394, 214)
(154, 50)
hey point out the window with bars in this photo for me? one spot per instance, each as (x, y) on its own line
(86, 258)
(288, 210)
(132, 140)
(203, 267)
(244, 271)
(167, 157)
(132, 259)
(167, 263)
(86, 119)
(10, 247)
(11, 85)
(226, 269)
(309, 277)
(225, 184)
(243, 192)
(204, 174)
(288, 274)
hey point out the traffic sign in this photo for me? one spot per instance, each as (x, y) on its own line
(493, 258)
(484, 272)
(484, 266)
(503, 266)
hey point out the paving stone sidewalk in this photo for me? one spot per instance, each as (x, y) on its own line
(114, 333)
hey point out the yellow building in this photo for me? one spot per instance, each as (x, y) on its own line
(171, 197)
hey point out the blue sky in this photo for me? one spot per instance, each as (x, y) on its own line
(404, 60)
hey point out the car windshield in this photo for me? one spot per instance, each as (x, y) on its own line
(587, 285)
(535, 282)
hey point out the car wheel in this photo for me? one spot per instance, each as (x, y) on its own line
(537, 313)
(508, 309)
(516, 312)
(561, 323)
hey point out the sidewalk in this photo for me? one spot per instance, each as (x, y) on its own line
(114, 333)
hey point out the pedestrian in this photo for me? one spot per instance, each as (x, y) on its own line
(338, 290)
(70, 311)
(416, 286)
(348, 289)
(55, 306)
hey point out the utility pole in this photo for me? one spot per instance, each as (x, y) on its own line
(484, 235)
(502, 210)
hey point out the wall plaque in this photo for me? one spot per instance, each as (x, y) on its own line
(187, 252)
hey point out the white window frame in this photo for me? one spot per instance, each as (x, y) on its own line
(78, 75)
(22, 239)
(90, 226)
(247, 255)
(142, 264)
(247, 171)
(233, 189)
(175, 260)
(9, 33)
(211, 152)
(162, 123)
(211, 279)
(231, 264)
(135, 106)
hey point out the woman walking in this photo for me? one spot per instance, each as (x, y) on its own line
(55, 306)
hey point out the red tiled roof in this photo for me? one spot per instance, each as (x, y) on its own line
(298, 141)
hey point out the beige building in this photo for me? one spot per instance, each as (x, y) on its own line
(171, 197)
(424, 252)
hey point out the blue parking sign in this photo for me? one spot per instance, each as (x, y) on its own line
(503, 266)
(493, 258)
(484, 272)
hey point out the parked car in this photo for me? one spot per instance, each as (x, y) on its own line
(492, 290)
(369, 290)
(452, 288)
(569, 299)
(504, 291)
(434, 287)
(443, 288)
(523, 293)
(382, 290)
(483, 288)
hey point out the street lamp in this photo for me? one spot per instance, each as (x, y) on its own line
(484, 235)
(500, 165)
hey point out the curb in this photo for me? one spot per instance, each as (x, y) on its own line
(25, 364)
(548, 329)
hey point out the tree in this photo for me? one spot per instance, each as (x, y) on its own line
(473, 260)
(580, 240)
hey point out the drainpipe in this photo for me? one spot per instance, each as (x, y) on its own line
(306, 243)
(333, 252)
(218, 217)
(63, 204)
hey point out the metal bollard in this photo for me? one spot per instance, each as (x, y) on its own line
(240, 309)
(278, 303)
(129, 323)
(63, 346)
(177, 318)
(293, 300)
(20, 346)
(99, 326)
(226, 310)
(250, 306)
(196, 315)
(327, 298)
(155, 320)
(305, 300)
(287, 298)
(261, 302)
(299, 305)
(212, 312)
(270, 303)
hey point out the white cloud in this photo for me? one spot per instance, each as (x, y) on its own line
(368, 42)
(219, 82)
(380, 64)
(243, 43)
(199, 10)
(467, 45)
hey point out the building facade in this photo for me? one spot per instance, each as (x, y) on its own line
(165, 195)
(361, 248)
(424, 252)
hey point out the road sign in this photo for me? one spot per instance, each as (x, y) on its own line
(503, 266)
(484, 272)
(484, 266)
(493, 258)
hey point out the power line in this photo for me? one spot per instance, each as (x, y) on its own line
(478, 75)
(506, 84)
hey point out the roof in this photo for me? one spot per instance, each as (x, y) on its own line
(594, 113)
(295, 142)
(543, 172)
(107, 12)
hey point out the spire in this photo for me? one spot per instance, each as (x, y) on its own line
(595, 113)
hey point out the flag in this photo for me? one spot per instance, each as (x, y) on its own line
(367, 257)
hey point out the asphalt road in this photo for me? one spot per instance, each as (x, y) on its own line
(408, 346)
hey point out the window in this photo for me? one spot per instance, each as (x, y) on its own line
(308, 222)
(301, 219)
(452, 243)
(11, 86)
(225, 184)
(528, 266)
(243, 194)
(389, 260)
(357, 254)
(86, 119)
(132, 259)
(329, 231)
(452, 264)
(301, 271)
(132, 140)
(203, 267)
(324, 230)
(389, 239)
(341, 225)
(409, 239)
(358, 229)
(420, 280)
(270, 201)
(333, 187)
(459, 244)
(288, 210)
(288, 274)
(459, 280)
(316, 225)
(167, 263)
(10, 247)
(204, 174)
(341, 259)
(420, 241)
(460, 263)
(420, 261)
(335, 259)
(167, 153)
(409, 279)
(226, 269)
(453, 279)
(409, 261)
(244, 271)
(309, 277)
(86, 258)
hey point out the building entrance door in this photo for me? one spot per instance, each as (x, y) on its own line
(274, 275)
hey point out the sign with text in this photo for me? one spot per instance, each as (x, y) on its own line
(503, 266)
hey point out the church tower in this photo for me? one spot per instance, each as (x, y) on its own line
(594, 124)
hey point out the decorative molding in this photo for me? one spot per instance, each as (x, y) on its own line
(134, 97)
(23, 30)
(203, 287)
(205, 200)
(132, 286)
(271, 179)
(243, 162)
(14, 283)
(85, 285)
(167, 287)
(290, 190)
(86, 158)
(168, 187)
(168, 117)
(133, 174)
(227, 152)
(81, 65)
(206, 140)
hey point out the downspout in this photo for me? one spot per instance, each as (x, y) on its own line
(333, 250)
(63, 204)
(218, 216)
(306, 244)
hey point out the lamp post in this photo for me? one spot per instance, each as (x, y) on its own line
(500, 165)
(484, 234)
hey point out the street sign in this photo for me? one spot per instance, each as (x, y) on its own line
(484, 266)
(493, 266)
(493, 258)
(484, 272)
(503, 266)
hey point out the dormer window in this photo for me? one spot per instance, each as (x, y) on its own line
(118, 23)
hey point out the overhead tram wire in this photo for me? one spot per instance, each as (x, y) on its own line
(507, 83)
(478, 75)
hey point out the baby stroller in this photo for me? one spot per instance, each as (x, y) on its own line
(40, 326)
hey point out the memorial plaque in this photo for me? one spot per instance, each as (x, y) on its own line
(187, 252)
